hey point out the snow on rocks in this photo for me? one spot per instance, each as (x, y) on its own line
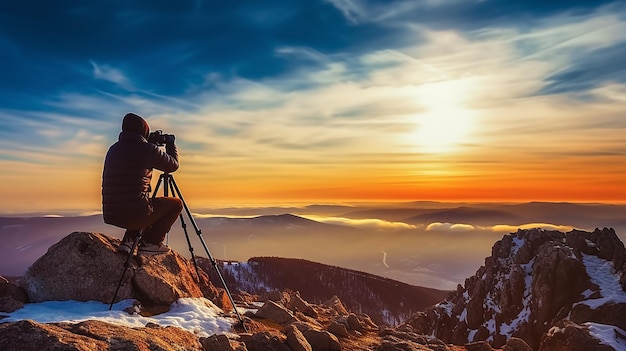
(533, 280)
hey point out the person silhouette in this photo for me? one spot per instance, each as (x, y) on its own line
(126, 178)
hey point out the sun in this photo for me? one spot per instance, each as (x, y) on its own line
(442, 129)
(446, 123)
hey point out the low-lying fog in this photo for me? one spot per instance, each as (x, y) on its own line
(427, 244)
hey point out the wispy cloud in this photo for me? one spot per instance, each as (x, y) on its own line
(111, 74)
(350, 9)
(497, 228)
(372, 223)
(457, 227)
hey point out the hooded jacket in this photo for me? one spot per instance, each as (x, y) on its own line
(128, 169)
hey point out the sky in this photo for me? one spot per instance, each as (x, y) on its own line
(318, 100)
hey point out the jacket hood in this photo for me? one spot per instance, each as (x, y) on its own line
(135, 124)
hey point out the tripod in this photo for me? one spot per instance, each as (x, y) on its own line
(169, 185)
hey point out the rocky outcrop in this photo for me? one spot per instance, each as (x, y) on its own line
(386, 301)
(12, 298)
(86, 266)
(533, 280)
(93, 336)
(330, 330)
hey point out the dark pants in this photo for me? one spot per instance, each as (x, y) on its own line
(155, 225)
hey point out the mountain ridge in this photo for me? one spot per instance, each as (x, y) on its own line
(385, 300)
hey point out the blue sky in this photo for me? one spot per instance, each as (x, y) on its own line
(274, 89)
(169, 47)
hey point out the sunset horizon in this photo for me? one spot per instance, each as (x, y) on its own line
(399, 101)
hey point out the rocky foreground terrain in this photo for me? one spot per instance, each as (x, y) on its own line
(386, 301)
(553, 290)
(539, 290)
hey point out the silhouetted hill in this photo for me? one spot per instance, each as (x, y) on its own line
(320, 210)
(285, 220)
(579, 215)
(467, 215)
(385, 300)
(24, 239)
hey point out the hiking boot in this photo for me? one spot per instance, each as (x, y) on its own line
(152, 249)
(125, 246)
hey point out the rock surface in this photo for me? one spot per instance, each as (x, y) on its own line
(86, 266)
(533, 280)
(12, 297)
(93, 336)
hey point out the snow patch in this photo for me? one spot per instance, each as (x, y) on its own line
(602, 273)
(196, 315)
(517, 244)
(508, 329)
(463, 316)
(472, 335)
(446, 306)
(587, 293)
(608, 335)
(491, 304)
(590, 243)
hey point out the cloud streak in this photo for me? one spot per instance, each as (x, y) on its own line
(371, 223)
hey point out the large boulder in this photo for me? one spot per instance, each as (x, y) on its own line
(273, 311)
(322, 340)
(336, 304)
(27, 335)
(265, 341)
(296, 340)
(221, 342)
(86, 266)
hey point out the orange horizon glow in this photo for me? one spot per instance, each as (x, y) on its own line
(66, 191)
(424, 123)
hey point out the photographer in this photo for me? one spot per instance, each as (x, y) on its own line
(126, 200)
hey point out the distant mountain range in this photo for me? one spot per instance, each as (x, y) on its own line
(427, 248)
(27, 238)
(580, 215)
(384, 300)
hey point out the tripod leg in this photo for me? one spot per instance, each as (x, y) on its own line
(158, 184)
(126, 264)
(176, 191)
(193, 257)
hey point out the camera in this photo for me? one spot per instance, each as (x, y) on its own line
(157, 137)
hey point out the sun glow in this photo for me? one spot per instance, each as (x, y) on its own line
(446, 122)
